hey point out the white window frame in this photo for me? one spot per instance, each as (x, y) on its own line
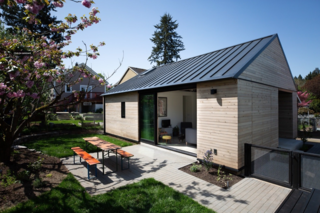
(85, 88)
(65, 88)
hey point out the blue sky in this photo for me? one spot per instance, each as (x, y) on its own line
(127, 26)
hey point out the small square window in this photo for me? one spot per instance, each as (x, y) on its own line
(68, 88)
(123, 109)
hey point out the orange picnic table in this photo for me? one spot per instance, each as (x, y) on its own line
(104, 146)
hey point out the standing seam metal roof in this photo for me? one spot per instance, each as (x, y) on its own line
(229, 62)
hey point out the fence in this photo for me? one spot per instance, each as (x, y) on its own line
(288, 168)
(309, 121)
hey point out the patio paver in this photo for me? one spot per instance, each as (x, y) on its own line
(248, 195)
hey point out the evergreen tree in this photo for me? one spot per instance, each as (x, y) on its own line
(313, 74)
(13, 17)
(167, 42)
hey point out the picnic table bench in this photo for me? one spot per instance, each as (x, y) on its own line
(106, 146)
(87, 157)
(124, 154)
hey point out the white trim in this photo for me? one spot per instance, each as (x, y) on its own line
(65, 88)
(85, 88)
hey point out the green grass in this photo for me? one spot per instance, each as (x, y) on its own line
(60, 146)
(148, 195)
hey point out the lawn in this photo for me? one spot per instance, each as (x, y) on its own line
(148, 195)
(60, 146)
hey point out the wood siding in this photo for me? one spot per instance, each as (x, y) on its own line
(217, 121)
(257, 116)
(270, 68)
(127, 127)
(287, 115)
(129, 74)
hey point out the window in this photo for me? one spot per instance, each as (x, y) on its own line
(68, 89)
(123, 109)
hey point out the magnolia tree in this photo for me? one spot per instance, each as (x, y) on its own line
(31, 67)
(303, 96)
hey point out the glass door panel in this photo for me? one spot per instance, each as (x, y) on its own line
(147, 117)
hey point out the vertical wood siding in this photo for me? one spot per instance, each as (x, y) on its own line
(258, 116)
(125, 127)
(217, 121)
(270, 68)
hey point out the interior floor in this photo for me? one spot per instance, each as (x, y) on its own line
(181, 145)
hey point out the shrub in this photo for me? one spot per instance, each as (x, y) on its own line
(304, 111)
(35, 166)
(8, 179)
(222, 177)
(37, 183)
(99, 110)
(52, 117)
(195, 168)
(315, 105)
(207, 159)
(24, 175)
(49, 175)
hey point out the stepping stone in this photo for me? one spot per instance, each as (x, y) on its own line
(38, 152)
(31, 150)
(19, 147)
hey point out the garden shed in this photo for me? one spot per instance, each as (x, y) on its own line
(220, 100)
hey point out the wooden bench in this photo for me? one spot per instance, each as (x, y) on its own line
(123, 154)
(87, 157)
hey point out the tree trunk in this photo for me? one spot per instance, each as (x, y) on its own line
(5, 149)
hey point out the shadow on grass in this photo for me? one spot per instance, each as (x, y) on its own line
(147, 195)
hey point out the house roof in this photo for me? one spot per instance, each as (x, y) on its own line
(134, 69)
(228, 62)
(89, 69)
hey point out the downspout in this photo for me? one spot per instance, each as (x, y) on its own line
(104, 114)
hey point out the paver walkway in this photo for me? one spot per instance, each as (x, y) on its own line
(248, 195)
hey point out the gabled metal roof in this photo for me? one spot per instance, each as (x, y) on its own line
(229, 62)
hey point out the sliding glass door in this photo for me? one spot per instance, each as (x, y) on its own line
(147, 118)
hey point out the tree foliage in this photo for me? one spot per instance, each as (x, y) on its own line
(313, 74)
(313, 86)
(167, 42)
(13, 16)
(27, 81)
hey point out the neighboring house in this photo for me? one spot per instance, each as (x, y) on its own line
(130, 73)
(92, 100)
(240, 94)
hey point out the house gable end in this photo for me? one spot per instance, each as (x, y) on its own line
(270, 68)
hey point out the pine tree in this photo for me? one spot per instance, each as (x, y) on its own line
(13, 17)
(167, 42)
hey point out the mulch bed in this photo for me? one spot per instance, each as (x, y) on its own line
(211, 176)
(24, 190)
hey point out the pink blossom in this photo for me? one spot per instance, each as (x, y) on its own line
(38, 64)
(30, 84)
(58, 4)
(94, 11)
(58, 81)
(86, 3)
(68, 37)
(3, 86)
(12, 76)
(94, 56)
(15, 41)
(34, 95)
(101, 80)
(44, 44)
(50, 79)
(109, 86)
(21, 1)
(303, 96)
(27, 77)
(94, 77)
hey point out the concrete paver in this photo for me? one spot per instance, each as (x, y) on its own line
(248, 195)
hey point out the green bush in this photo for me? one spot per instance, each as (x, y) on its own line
(37, 183)
(24, 175)
(304, 111)
(8, 179)
(99, 110)
(315, 105)
(52, 117)
(195, 168)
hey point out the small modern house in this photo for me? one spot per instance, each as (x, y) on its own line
(220, 100)
(129, 73)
